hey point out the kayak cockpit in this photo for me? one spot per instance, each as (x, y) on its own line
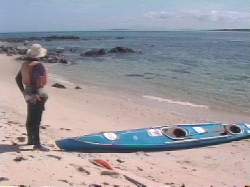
(176, 133)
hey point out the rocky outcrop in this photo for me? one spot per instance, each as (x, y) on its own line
(56, 55)
(46, 38)
(52, 57)
(74, 49)
(94, 53)
(55, 58)
(59, 50)
(12, 50)
(51, 38)
(21, 50)
(102, 52)
(121, 50)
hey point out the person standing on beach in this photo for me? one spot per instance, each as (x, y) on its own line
(31, 80)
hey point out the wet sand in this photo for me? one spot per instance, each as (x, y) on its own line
(71, 112)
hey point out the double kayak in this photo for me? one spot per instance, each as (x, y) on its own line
(168, 137)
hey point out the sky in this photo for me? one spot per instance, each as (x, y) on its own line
(81, 15)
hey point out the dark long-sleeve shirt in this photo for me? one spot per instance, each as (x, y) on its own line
(19, 81)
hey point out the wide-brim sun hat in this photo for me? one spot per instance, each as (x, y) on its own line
(36, 51)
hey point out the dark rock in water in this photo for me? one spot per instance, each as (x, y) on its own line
(152, 45)
(25, 43)
(51, 38)
(134, 75)
(121, 50)
(63, 61)
(22, 50)
(73, 49)
(58, 85)
(101, 52)
(78, 88)
(51, 59)
(174, 77)
(139, 51)
(55, 58)
(13, 50)
(119, 38)
(182, 71)
(94, 53)
(9, 50)
(59, 50)
(46, 38)
(21, 58)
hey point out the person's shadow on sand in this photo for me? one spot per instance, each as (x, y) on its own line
(5, 148)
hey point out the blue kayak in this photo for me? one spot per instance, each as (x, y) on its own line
(157, 138)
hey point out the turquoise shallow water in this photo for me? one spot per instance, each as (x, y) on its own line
(205, 68)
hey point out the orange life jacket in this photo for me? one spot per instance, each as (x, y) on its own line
(27, 72)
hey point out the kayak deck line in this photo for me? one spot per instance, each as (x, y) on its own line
(158, 138)
(176, 142)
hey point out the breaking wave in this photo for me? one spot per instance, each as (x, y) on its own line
(159, 99)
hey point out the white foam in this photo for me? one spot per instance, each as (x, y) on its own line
(159, 99)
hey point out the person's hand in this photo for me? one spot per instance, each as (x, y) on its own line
(30, 98)
(38, 98)
(26, 97)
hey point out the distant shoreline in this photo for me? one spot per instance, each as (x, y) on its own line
(238, 30)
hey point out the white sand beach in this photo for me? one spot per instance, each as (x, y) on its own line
(71, 112)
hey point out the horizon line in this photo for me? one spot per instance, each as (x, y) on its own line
(126, 30)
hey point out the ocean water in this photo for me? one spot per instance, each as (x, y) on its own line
(202, 68)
